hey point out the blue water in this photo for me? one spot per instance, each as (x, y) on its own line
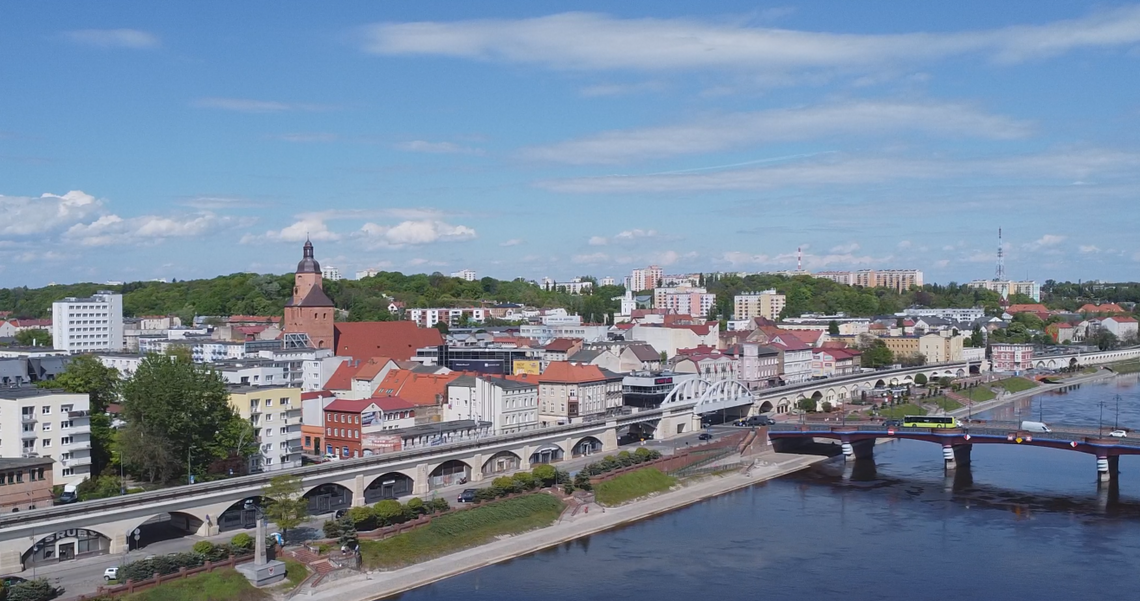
(1020, 523)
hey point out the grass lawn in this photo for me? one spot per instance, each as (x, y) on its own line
(947, 404)
(219, 585)
(634, 485)
(1126, 367)
(295, 574)
(462, 530)
(980, 394)
(901, 411)
(1015, 384)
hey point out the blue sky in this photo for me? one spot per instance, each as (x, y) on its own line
(160, 140)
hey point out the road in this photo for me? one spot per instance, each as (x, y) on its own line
(83, 576)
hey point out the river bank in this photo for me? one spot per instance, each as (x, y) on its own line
(1100, 376)
(379, 585)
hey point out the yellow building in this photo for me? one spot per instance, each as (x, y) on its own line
(940, 349)
(275, 414)
(767, 304)
(902, 346)
(527, 366)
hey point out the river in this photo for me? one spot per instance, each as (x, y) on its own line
(1022, 522)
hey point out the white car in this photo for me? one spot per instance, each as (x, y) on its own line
(1118, 434)
(111, 574)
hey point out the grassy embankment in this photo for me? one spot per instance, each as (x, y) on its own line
(1014, 385)
(1126, 367)
(463, 530)
(219, 585)
(943, 402)
(901, 411)
(979, 394)
(634, 485)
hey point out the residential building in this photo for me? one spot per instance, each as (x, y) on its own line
(767, 304)
(19, 367)
(466, 274)
(428, 391)
(36, 422)
(795, 356)
(573, 393)
(589, 332)
(1007, 287)
(201, 350)
(560, 350)
(25, 483)
(902, 346)
(453, 317)
(940, 349)
(897, 279)
(251, 372)
(349, 422)
(707, 362)
(691, 280)
(1102, 309)
(84, 325)
(1125, 328)
(276, 415)
(684, 300)
(398, 340)
(313, 420)
(647, 389)
(759, 364)
(607, 281)
(945, 313)
(510, 405)
(1011, 357)
(307, 368)
(310, 312)
(644, 279)
(366, 273)
(575, 286)
(1063, 333)
(125, 363)
(831, 362)
(669, 338)
(330, 273)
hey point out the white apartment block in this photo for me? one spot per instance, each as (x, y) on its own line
(576, 286)
(1005, 288)
(201, 351)
(510, 406)
(898, 279)
(952, 314)
(466, 274)
(366, 273)
(607, 281)
(45, 423)
(81, 325)
(126, 364)
(645, 279)
(767, 304)
(427, 318)
(330, 273)
(304, 368)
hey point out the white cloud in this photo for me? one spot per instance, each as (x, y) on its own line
(26, 215)
(904, 244)
(737, 130)
(942, 263)
(590, 258)
(439, 147)
(598, 241)
(810, 261)
(411, 233)
(512, 242)
(247, 105)
(1045, 241)
(1086, 249)
(114, 38)
(635, 234)
(112, 229)
(585, 41)
(307, 227)
(846, 248)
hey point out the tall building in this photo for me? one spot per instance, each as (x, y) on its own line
(607, 281)
(466, 274)
(1007, 287)
(330, 273)
(81, 325)
(645, 279)
(310, 311)
(898, 279)
(275, 414)
(35, 422)
(767, 304)
(684, 300)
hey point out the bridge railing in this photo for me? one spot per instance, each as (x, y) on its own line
(1064, 434)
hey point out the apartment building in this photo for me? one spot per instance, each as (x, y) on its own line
(645, 279)
(83, 325)
(275, 414)
(466, 274)
(511, 405)
(572, 393)
(767, 304)
(1007, 287)
(684, 300)
(1011, 357)
(25, 483)
(36, 422)
(427, 318)
(897, 279)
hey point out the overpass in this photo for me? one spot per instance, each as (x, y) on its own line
(858, 440)
(1077, 359)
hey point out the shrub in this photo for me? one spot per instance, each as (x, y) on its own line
(33, 590)
(525, 481)
(389, 512)
(642, 454)
(242, 541)
(161, 564)
(362, 518)
(503, 485)
(332, 528)
(416, 506)
(582, 481)
(485, 494)
(625, 459)
(546, 474)
(920, 379)
(439, 505)
(827, 407)
(203, 547)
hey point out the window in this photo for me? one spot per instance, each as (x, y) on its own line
(268, 402)
(66, 408)
(68, 471)
(282, 431)
(47, 427)
(268, 417)
(46, 442)
(328, 431)
(46, 410)
(66, 440)
(308, 441)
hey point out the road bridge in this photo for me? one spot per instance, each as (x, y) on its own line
(858, 440)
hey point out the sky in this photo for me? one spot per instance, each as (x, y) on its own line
(533, 139)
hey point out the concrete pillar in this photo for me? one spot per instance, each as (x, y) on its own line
(476, 464)
(118, 544)
(11, 561)
(609, 438)
(358, 491)
(209, 526)
(524, 457)
(1103, 473)
(864, 449)
(420, 485)
(848, 450)
(962, 454)
(948, 457)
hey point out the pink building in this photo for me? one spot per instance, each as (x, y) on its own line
(1011, 357)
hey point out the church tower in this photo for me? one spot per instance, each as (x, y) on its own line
(310, 311)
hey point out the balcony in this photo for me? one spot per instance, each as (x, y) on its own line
(76, 430)
(28, 434)
(78, 445)
(28, 418)
(75, 462)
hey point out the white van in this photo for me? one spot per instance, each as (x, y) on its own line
(1035, 427)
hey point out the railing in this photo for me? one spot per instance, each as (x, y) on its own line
(1067, 434)
(28, 418)
(26, 434)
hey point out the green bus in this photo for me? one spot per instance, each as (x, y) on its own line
(930, 421)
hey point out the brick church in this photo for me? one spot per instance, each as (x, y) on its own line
(310, 311)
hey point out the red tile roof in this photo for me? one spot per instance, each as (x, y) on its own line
(342, 377)
(420, 389)
(811, 337)
(371, 368)
(1104, 308)
(1032, 308)
(348, 406)
(563, 372)
(395, 339)
(392, 403)
(562, 345)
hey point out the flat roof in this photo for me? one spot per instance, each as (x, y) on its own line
(24, 392)
(7, 463)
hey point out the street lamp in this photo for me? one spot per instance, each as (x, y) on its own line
(1100, 428)
(1116, 421)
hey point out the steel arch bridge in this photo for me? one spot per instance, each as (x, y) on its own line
(708, 397)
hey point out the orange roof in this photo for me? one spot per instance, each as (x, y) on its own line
(1105, 308)
(563, 372)
(395, 339)
(1032, 308)
(810, 336)
(421, 389)
(562, 345)
(342, 377)
(1121, 319)
(370, 369)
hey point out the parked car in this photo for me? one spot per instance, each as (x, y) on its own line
(339, 514)
(1118, 434)
(10, 580)
(893, 423)
(705, 436)
(759, 420)
(467, 496)
(111, 573)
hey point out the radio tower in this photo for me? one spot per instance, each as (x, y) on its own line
(1000, 275)
(799, 259)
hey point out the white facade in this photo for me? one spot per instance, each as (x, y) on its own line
(201, 351)
(607, 281)
(509, 405)
(276, 416)
(330, 273)
(1006, 288)
(466, 274)
(951, 314)
(669, 339)
(366, 273)
(253, 374)
(304, 368)
(684, 300)
(767, 304)
(81, 325)
(126, 365)
(427, 318)
(41, 423)
(1125, 328)
(577, 286)
(645, 279)
(549, 332)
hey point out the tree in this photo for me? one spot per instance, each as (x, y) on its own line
(87, 375)
(34, 337)
(32, 590)
(1106, 340)
(442, 327)
(175, 411)
(546, 473)
(920, 379)
(388, 512)
(876, 354)
(286, 506)
(806, 405)
(833, 328)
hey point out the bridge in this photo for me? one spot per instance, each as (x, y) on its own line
(858, 440)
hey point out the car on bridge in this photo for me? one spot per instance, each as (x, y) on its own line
(705, 436)
(1118, 434)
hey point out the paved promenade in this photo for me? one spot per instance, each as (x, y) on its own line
(378, 585)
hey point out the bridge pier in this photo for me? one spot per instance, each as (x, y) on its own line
(1107, 467)
(859, 449)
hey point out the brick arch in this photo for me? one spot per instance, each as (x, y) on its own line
(501, 462)
(587, 445)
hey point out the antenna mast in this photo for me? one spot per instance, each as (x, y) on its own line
(1000, 276)
(799, 259)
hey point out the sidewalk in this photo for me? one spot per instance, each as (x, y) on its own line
(376, 585)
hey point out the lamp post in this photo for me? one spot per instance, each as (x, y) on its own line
(1116, 421)
(1100, 427)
